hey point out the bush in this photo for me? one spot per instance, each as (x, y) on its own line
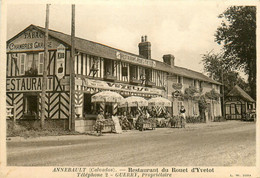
(219, 119)
(33, 129)
(194, 119)
(14, 129)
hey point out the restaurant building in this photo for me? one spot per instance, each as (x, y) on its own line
(98, 68)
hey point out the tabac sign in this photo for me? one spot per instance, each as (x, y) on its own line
(30, 40)
(22, 84)
(60, 61)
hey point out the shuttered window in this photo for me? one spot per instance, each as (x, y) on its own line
(40, 64)
(22, 57)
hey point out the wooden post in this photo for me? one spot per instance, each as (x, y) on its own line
(14, 113)
(72, 72)
(44, 78)
(223, 97)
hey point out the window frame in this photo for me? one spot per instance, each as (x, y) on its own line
(22, 65)
(39, 62)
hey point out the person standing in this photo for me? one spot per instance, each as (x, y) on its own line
(100, 122)
(183, 118)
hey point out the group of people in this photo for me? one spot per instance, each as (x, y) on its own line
(127, 121)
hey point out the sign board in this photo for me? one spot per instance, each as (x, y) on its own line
(134, 59)
(121, 87)
(25, 84)
(30, 40)
(60, 67)
(118, 128)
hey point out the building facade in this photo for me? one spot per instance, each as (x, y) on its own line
(238, 103)
(98, 68)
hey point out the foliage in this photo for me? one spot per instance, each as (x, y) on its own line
(202, 103)
(213, 95)
(219, 119)
(34, 130)
(194, 119)
(237, 33)
(215, 66)
(190, 92)
(177, 86)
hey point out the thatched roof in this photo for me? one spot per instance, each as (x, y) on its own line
(239, 92)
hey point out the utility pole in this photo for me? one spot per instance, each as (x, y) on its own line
(223, 97)
(72, 72)
(44, 78)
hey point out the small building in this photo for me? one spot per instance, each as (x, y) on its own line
(98, 68)
(238, 103)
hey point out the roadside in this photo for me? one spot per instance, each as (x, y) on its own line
(231, 143)
(66, 135)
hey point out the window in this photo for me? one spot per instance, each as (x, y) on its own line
(133, 72)
(194, 109)
(179, 79)
(200, 85)
(227, 109)
(194, 83)
(22, 63)
(124, 71)
(40, 63)
(148, 74)
(108, 65)
(94, 63)
(232, 109)
(179, 104)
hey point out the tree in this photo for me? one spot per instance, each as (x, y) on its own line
(215, 65)
(237, 33)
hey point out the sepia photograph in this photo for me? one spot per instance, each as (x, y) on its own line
(131, 89)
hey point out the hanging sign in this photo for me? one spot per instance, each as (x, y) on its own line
(60, 67)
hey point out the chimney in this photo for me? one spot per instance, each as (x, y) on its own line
(169, 59)
(145, 48)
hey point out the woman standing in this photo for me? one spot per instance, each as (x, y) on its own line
(183, 118)
(100, 122)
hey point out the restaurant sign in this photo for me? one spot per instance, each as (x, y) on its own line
(30, 40)
(27, 84)
(134, 59)
(121, 87)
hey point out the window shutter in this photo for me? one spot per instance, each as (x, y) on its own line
(40, 63)
(22, 57)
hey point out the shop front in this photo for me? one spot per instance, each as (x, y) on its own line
(88, 110)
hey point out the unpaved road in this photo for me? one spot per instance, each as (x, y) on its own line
(231, 143)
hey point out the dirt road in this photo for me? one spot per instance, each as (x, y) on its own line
(230, 143)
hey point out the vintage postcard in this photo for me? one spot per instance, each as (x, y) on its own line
(129, 89)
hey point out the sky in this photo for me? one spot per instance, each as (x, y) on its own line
(185, 30)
